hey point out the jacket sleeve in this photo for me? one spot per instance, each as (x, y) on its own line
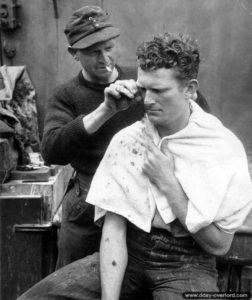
(64, 132)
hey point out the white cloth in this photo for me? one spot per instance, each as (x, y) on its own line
(10, 75)
(210, 164)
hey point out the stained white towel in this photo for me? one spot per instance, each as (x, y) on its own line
(210, 164)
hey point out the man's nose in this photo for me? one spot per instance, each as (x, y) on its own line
(148, 99)
(103, 56)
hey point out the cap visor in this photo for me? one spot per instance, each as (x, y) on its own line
(102, 35)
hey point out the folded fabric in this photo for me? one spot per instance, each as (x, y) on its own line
(18, 103)
(9, 76)
(5, 129)
(210, 164)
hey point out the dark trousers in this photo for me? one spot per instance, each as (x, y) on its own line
(160, 267)
(163, 267)
(78, 235)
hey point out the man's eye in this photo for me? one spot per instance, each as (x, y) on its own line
(93, 53)
(142, 90)
(87, 52)
(109, 48)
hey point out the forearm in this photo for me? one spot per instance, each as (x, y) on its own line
(211, 238)
(214, 240)
(93, 121)
(113, 256)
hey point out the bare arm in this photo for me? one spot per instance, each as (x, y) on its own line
(160, 170)
(93, 121)
(113, 256)
(211, 238)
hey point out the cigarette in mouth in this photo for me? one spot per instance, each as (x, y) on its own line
(108, 69)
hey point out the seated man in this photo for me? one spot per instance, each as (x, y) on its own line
(170, 185)
(166, 191)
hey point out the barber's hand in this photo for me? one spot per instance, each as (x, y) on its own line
(159, 167)
(119, 94)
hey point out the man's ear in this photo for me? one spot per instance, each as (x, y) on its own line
(73, 52)
(191, 89)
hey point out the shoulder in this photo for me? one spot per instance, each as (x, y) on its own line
(212, 127)
(129, 133)
(66, 87)
(66, 93)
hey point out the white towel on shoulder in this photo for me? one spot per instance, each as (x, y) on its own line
(210, 164)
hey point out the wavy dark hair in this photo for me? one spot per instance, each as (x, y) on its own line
(170, 50)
